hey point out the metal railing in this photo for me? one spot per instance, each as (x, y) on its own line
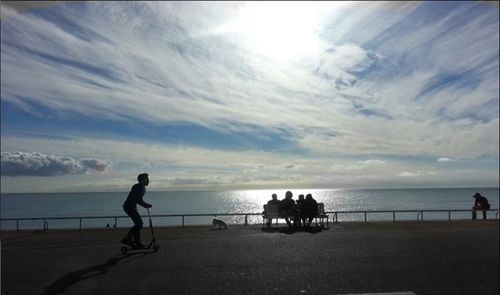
(45, 220)
(419, 217)
(334, 214)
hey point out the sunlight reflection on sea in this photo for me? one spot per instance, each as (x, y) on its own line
(239, 201)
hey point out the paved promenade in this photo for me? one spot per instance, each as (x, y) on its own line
(459, 257)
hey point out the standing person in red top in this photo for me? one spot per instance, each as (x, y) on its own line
(133, 237)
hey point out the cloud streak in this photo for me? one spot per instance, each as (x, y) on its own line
(173, 166)
(444, 159)
(39, 164)
(385, 80)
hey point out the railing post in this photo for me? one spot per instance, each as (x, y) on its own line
(365, 216)
(246, 219)
(182, 220)
(17, 224)
(116, 223)
(449, 215)
(45, 225)
(393, 216)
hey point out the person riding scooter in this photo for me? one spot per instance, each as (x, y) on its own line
(133, 237)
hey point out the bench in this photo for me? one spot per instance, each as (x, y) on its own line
(272, 212)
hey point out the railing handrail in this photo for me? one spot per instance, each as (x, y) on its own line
(335, 215)
(238, 214)
(126, 216)
(410, 211)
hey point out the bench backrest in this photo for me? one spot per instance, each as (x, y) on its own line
(321, 209)
(272, 210)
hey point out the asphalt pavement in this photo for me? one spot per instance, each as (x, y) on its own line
(458, 257)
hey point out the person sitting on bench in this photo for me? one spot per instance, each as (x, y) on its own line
(302, 210)
(288, 208)
(273, 201)
(311, 208)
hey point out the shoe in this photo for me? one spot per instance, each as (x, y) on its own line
(139, 245)
(128, 242)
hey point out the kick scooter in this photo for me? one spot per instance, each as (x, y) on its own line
(152, 244)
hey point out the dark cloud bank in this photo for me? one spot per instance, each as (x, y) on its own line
(39, 164)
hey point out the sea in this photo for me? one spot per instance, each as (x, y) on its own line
(100, 209)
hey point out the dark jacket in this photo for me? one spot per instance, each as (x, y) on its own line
(483, 202)
(273, 202)
(135, 197)
(287, 204)
(310, 207)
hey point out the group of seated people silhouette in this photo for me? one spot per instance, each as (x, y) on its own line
(305, 209)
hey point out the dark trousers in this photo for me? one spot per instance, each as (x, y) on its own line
(134, 233)
(477, 208)
(291, 212)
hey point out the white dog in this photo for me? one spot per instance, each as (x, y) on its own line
(218, 223)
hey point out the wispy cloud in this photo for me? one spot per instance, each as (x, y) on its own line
(173, 166)
(444, 159)
(384, 80)
(406, 174)
(373, 162)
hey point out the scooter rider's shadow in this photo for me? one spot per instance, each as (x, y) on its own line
(76, 276)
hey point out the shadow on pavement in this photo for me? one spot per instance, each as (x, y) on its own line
(288, 230)
(76, 276)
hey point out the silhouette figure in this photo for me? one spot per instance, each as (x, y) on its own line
(288, 208)
(133, 237)
(274, 201)
(301, 210)
(481, 203)
(310, 208)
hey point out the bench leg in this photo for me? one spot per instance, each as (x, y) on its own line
(265, 222)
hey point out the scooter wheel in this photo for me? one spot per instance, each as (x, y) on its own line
(156, 247)
(124, 249)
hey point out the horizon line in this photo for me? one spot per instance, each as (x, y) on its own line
(260, 189)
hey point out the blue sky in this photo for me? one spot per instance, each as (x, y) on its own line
(249, 95)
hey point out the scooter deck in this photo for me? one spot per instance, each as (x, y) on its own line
(154, 247)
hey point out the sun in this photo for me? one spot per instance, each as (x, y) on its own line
(282, 30)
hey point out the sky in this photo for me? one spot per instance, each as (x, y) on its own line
(249, 95)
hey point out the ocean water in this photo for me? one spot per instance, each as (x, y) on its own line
(227, 202)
